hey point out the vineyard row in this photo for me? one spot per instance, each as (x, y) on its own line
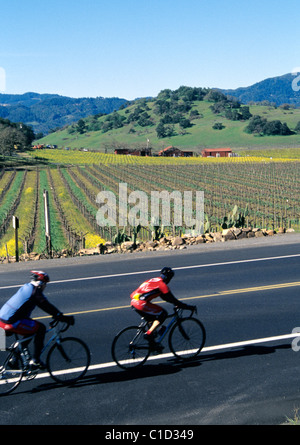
(270, 192)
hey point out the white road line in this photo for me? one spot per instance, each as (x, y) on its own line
(127, 274)
(206, 349)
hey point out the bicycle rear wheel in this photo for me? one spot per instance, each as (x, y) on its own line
(68, 360)
(187, 338)
(11, 371)
(129, 348)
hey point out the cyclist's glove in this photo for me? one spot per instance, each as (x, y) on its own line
(190, 307)
(65, 319)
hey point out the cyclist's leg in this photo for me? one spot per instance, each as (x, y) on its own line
(151, 312)
(28, 327)
(158, 313)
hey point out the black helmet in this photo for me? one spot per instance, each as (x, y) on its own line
(167, 273)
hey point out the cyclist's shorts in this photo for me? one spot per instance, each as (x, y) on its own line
(22, 327)
(147, 307)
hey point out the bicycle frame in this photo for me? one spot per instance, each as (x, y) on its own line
(174, 317)
(55, 337)
(177, 315)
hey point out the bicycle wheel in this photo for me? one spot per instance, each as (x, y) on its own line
(68, 360)
(11, 371)
(187, 338)
(129, 348)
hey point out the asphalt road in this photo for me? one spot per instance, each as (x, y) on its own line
(246, 290)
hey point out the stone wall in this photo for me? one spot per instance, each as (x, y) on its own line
(165, 243)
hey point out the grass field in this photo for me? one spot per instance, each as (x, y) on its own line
(71, 157)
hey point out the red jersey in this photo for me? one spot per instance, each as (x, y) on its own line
(150, 289)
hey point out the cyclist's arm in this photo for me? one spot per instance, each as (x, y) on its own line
(170, 298)
(45, 305)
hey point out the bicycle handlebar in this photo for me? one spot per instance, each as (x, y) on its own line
(55, 322)
(178, 309)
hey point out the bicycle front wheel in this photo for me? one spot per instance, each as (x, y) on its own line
(187, 338)
(68, 360)
(11, 371)
(130, 349)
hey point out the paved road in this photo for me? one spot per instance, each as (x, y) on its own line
(243, 290)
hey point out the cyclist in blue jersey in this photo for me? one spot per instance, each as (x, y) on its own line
(15, 313)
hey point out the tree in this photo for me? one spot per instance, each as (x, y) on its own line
(11, 138)
(164, 131)
(245, 112)
(261, 126)
(81, 126)
(160, 130)
(256, 125)
(218, 126)
(185, 123)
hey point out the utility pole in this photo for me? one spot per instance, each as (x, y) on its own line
(16, 227)
(47, 221)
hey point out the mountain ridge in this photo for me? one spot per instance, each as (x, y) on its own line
(279, 90)
(48, 112)
(45, 112)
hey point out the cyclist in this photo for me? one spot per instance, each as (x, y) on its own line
(141, 301)
(15, 313)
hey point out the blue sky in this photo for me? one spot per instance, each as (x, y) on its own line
(136, 48)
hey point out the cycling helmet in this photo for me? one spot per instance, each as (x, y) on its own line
(167, 273)
(40, 276)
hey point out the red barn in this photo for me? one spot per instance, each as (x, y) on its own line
(216, 152)
(174, 152)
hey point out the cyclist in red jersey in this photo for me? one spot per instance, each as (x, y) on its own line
(156, 287)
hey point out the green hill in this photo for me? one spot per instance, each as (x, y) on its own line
(188, 118)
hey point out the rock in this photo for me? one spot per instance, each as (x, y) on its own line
(200, 239)
(218, 237)
(151, 244)
(236, 231)
(208, 237)
(259, 234)
(228, 235)
(270, 232)
(178, 241)
(127, 245)
(246, 229)
(243, 235)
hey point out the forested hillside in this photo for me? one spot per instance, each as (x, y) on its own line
(46, 112)
(276, 90)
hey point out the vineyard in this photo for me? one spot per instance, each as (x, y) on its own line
(266, 193)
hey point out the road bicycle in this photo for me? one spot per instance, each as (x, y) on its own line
(186, 338)
(67, 360)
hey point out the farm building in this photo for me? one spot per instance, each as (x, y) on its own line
(216, 152)
(174, 152)
(132, 152)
